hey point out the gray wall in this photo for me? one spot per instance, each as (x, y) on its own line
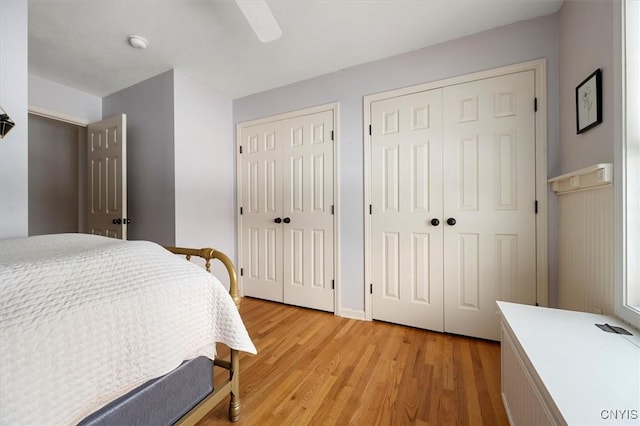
(13, 98)
(54, 173)
(63, 101)
(519, 42)
(150, 156)
(204, 169)
(586, 43)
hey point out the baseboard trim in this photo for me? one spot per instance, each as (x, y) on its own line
(351, 313)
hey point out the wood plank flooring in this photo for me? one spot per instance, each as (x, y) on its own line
(318, 369)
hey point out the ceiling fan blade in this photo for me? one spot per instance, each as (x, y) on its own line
(261, 19)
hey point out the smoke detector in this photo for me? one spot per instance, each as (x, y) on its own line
(138, 42)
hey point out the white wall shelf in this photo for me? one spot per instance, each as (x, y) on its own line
(589, 177)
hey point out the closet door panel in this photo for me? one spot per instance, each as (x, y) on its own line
(489, 178)
(261, 201)
(307, 195)
(406, 194)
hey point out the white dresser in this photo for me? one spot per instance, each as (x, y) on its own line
(559, 368)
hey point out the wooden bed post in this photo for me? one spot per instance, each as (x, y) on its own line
(234, 404)
(233, 276)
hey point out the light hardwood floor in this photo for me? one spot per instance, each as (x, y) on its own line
(318, 369)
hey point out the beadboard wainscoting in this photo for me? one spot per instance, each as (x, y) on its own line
(586, 239)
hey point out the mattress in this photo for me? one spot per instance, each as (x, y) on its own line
(160, 401)
(85, 319)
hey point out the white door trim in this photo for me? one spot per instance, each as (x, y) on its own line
(539, 66)
(54, 115)
(335, 108)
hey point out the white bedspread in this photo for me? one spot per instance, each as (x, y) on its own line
(84, 319)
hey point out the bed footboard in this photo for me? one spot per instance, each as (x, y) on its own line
(208, 254)
(231, 386)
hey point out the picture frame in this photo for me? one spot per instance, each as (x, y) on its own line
(589, 102)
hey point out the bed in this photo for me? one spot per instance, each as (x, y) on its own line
(87, 322)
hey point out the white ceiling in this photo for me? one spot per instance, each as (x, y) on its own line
(83, 43)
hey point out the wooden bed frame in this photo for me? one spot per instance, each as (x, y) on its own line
(230, 386)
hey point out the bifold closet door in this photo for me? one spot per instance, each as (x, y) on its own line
(406, 220)
(287, 211)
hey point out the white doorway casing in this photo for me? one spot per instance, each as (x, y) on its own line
(539, 250)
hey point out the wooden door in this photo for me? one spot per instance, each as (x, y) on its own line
(287, 232)
(463, 157)
(261, 256)
(406, 195)
(307, 197)
(490, 250)
(107, 174)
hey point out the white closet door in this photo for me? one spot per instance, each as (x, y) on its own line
(307, 197)
(287, 232)
(489, 151)
(465, 156)
(406, 195)
(261, 203)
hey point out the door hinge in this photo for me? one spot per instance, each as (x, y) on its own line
(333, 284)
(535, 104)
(370, 209)
(370, 288)
(332, 135)
(240, 149)
(240, 211)
(369, 129)
(536, 207)
(333, 210)
(241, 272)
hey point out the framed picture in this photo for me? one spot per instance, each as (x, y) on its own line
(589, 102)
